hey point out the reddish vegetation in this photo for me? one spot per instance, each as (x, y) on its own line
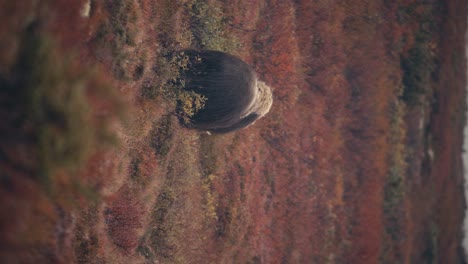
(306, 184)
(437, 186)
(123, 218)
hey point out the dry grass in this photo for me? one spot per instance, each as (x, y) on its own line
(395, 187)
(115, 35)
(208, 26)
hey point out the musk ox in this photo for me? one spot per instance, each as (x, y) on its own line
(234, 97)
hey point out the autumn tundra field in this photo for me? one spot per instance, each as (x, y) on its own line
(358, 161)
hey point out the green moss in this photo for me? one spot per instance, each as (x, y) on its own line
(208, 26)
(52, 98)
(117, 33)
(417, 67)
(56, 107)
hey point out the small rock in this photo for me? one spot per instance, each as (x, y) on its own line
(85, 9)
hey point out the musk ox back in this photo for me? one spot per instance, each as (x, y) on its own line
(234, 97)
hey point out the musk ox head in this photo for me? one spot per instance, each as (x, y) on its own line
(233, 96)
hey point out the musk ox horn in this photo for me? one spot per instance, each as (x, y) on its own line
(233, 96)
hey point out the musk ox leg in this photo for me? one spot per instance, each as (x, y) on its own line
(244, 122)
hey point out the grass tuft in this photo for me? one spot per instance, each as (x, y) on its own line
(115, 34)
(419, 63)
(394, 189)
(208, 25)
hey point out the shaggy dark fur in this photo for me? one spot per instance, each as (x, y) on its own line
(229, 85)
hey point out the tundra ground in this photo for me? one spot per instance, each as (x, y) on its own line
(359, 160)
